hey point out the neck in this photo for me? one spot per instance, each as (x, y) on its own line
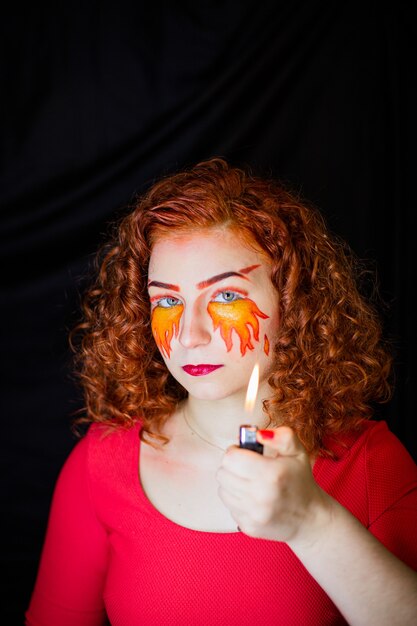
(218, 420)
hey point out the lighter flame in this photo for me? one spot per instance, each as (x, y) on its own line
(252, 389)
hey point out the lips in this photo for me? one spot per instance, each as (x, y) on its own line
(200, 370)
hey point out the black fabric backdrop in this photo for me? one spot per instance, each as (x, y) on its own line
(99, 99)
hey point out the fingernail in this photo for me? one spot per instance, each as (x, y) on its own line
(267, 434)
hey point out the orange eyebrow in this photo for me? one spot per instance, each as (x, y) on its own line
(156, 283)
(248, 269)
(215, 279)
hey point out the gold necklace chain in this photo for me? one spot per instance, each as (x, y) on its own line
(200, 436)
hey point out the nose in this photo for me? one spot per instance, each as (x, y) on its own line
(194, 327)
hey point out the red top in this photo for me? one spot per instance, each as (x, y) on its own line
(107, 548)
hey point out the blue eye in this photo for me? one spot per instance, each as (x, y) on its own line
(168, 302)
(227, 296)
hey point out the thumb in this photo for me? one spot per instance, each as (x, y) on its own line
(282, 439)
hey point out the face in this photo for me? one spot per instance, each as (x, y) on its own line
(214, 311)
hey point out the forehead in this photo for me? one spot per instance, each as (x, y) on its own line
(203, 254)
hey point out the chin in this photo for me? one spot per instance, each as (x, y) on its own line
(208, 394)
(212, 391)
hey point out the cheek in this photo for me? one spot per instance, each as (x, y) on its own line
(165, 325)
(240, 317)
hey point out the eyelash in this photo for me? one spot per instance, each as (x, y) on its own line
(238, 295)
(159, 300)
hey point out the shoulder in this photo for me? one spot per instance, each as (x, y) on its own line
(109, 437)
(101, 469)
(383, 451)
(391, 472)
(372, 470)
(100, 449)
(105, 443)
(390, 475)
(374, 443)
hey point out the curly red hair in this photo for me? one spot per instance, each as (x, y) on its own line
(331, 364)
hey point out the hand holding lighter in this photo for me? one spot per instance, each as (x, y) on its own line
(247, 438)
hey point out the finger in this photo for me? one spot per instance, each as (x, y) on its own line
(232, 482)
(243, 463)
(282, 440)
(233, 502)
(245, 524)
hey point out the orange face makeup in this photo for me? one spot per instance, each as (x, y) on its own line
(239, 316)
(266, 345)
(165, 326)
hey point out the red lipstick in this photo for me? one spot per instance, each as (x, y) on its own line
(200, 370)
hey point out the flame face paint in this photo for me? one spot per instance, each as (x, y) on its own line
(165, 322)
(240, 316)
(200, 276)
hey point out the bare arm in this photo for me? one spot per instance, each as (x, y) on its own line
(367, 583)
(277, 498)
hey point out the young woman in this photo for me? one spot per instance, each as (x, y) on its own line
(158, 516)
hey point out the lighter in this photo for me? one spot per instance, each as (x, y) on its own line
(247, 438)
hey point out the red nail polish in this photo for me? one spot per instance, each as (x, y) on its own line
(267, 434)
